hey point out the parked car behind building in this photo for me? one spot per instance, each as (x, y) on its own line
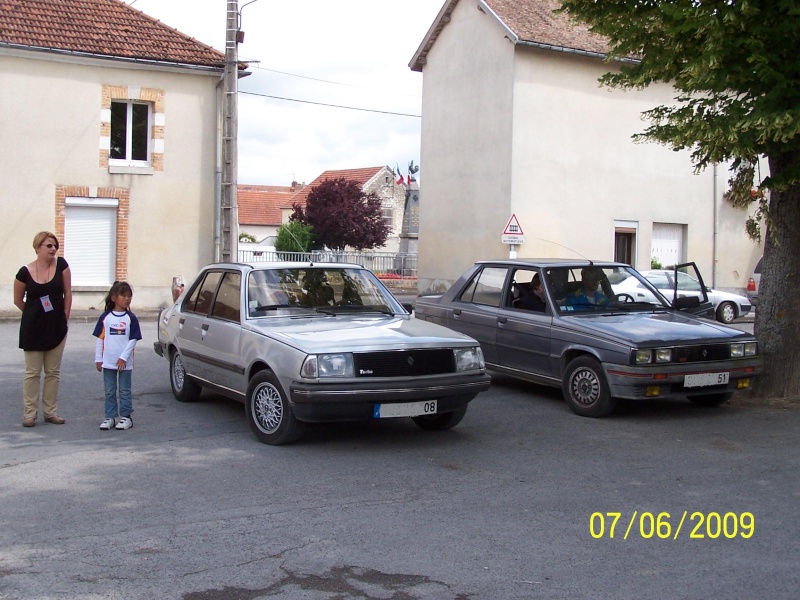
(727, 307)
(754, 283)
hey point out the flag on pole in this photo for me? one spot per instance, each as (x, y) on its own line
(400, 180)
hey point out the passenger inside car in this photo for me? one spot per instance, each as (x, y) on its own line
(530, 295)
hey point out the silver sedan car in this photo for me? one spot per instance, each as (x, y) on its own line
(301, 342)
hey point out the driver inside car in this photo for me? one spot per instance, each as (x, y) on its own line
(588, 296)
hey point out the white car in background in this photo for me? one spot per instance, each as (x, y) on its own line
(727, 306)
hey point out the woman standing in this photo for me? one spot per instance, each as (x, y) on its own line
(43, 292)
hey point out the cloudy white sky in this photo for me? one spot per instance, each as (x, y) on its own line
(352, 53)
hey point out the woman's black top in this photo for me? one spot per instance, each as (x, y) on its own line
(42, 329)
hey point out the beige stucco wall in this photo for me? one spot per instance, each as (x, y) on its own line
(466, 142)
(530, 132)
(51, 136)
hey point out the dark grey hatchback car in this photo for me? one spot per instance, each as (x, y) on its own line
(559, 323)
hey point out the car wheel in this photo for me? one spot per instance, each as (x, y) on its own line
(268, 412)
(726, 313)
(585, 388)
(183, 387)
(711, 400)
(442, 421)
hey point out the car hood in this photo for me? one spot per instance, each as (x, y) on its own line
(658, 328)
(366, 333)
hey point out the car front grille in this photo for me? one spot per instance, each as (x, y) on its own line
(404, 363)
(707, 352)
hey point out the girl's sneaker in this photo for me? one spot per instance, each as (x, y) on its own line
(108, 424)
(124, 423)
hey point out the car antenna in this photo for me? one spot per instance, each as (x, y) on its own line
(570, 249)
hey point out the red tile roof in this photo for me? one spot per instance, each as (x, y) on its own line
(362, 175)
(262, 204)
(108, 28)
(532, 22)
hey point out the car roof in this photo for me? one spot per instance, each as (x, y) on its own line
(544, 263)
(282, 265)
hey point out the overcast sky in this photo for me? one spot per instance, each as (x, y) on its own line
(352, 53)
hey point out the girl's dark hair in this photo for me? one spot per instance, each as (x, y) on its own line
(119, 287)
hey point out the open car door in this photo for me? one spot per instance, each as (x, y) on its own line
(689, 291)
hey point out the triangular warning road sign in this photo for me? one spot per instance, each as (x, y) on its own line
(512, 227)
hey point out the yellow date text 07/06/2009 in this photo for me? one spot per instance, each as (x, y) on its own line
(694, 525)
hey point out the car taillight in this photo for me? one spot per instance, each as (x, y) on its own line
(751, 285)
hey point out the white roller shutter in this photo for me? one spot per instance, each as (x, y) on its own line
(668, 243)
(90, 244)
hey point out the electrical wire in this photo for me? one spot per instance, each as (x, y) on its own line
(382, 112)
(362, 87)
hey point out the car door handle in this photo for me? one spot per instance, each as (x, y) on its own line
(502, 320)
(456, 312)
(204, 330)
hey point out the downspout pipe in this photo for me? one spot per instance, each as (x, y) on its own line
(714, 192)
(218, 175)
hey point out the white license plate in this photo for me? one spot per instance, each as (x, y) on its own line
(407, 409)
(703, 379)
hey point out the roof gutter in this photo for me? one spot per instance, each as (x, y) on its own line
(553, 48)
(143, 61)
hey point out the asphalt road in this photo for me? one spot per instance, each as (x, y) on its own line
(188, 505)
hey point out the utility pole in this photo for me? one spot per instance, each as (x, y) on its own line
(229, 217)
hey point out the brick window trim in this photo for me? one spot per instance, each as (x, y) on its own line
(122, 92)
(121, 195)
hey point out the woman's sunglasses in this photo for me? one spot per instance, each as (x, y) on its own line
(51, 246)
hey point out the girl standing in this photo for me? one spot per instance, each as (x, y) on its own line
(117, 332)
(43, 292)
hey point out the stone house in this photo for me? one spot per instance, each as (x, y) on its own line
(380, 180)
(261, 209)
(110, 141)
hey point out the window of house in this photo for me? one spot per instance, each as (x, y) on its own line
(388, 215)
(130, 132)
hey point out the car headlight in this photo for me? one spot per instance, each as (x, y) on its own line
(658, 355)
(751, 349)
(469, 359)
(663, 355)
(737, 350)
(328, 365)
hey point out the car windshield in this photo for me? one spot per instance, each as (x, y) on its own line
(316, 289)
(602, 288)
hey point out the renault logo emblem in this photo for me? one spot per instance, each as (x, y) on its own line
(705, 353)
(410, 361)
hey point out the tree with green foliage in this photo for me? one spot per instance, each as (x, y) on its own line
(342, 215)
(735, 70)
(294, 237)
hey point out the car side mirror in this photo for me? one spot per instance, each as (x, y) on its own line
(684, 302)
(409, 307)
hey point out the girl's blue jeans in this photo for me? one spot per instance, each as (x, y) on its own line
(113, 381)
